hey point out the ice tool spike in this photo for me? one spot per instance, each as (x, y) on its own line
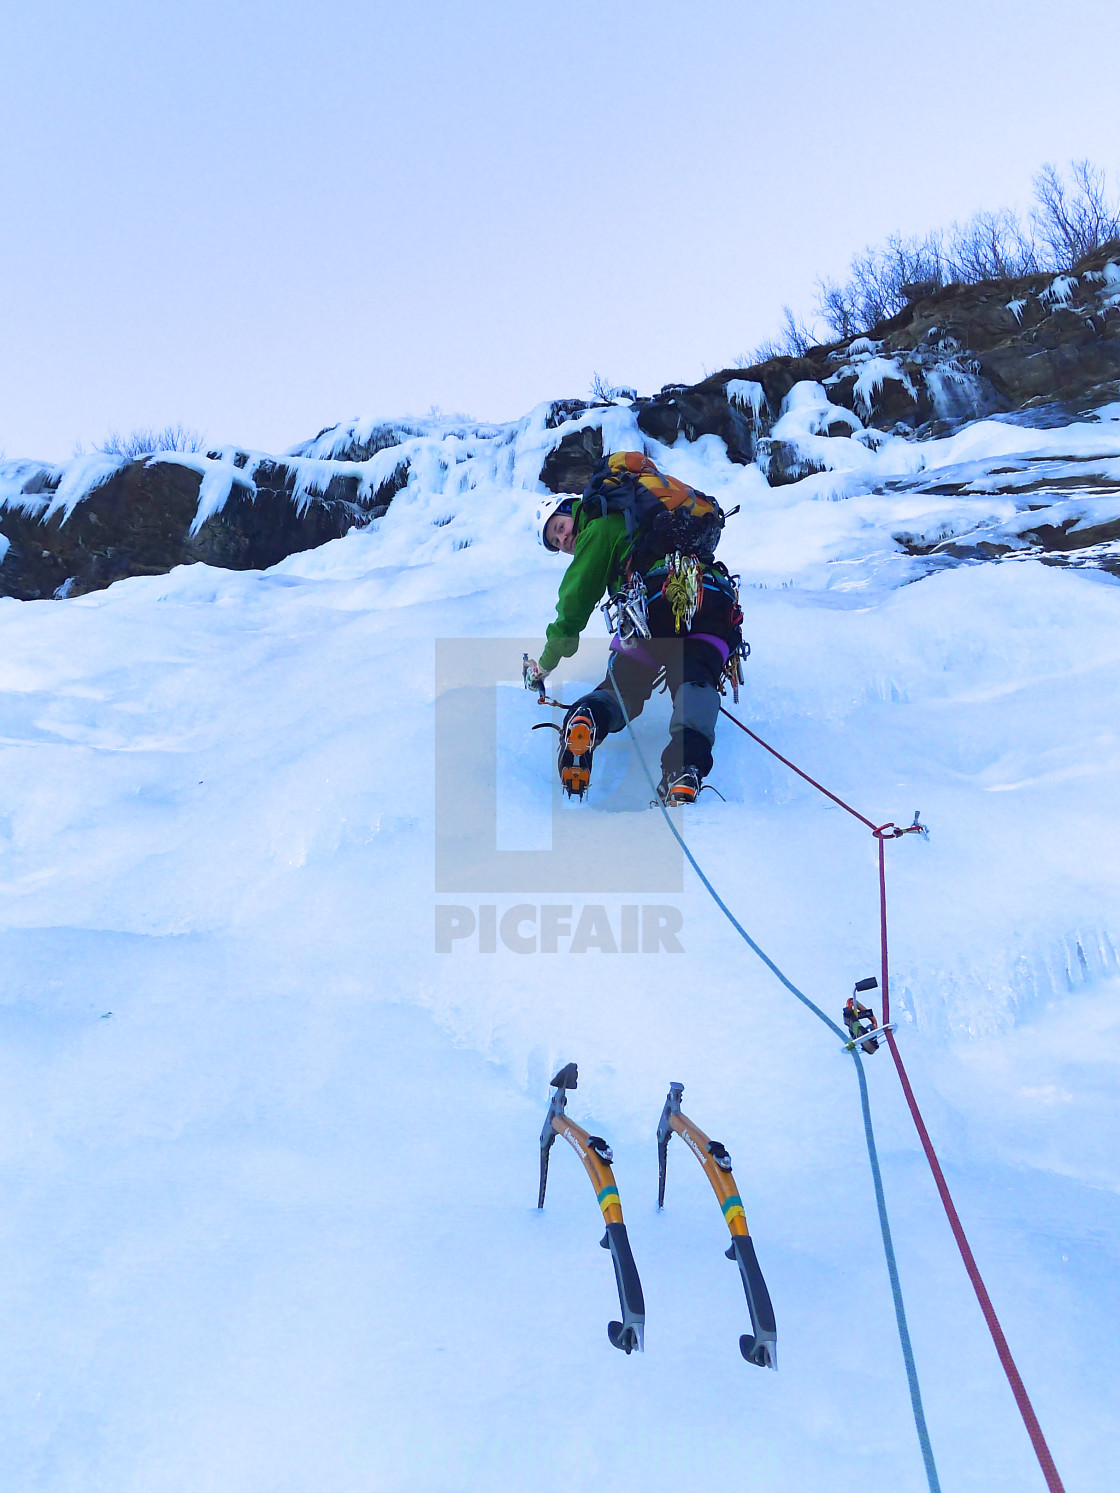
(567, 1078)
(760, 1346)
(664, 1131)
(596, 1155)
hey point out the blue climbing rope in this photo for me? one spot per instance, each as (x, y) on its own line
(868, 1129)
(896, 1287)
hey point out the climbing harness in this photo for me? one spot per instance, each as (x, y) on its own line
(597, 1156)
(732, 676)
(721, 579)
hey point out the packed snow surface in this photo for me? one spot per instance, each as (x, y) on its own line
(270, 1157)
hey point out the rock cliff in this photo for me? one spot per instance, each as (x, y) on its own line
(1041, 351)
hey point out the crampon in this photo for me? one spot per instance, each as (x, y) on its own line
(577, 743)
(680, 787)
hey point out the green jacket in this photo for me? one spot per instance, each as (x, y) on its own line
(597, 566)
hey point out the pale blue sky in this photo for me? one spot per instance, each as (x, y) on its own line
(258, 218)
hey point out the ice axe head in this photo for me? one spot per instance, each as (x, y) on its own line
(567, 1078)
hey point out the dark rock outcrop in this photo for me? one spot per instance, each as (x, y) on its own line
(568, 466)
(138, 522)
(959, 352)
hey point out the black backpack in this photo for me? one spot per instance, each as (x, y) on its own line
(663, 514)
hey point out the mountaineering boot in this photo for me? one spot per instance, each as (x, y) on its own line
(681, 786)
(577, 742)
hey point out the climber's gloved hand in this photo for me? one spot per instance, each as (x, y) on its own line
(533, 675)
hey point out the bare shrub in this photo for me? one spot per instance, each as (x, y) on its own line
(797, 337)
(143, 442)
(794, 341)
(990, 246)
(1070, 219)
(879, 283)
(602, 391)
(1073, 220)
(835, 305)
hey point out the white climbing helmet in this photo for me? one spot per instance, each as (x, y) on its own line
(549, 507)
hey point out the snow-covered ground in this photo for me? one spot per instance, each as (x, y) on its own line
(269, 1159)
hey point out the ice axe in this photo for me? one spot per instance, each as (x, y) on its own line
(760, 1346)
(597, 1156)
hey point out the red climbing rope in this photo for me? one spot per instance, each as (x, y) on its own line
(883, 833)
(1018, 1388)
(794, 768)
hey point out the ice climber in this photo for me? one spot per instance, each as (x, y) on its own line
(647, 542)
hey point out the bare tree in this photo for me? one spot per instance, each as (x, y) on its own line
(794, 341)
(762, 352)
(991, 246)
(880, 283)
(603, 391)
(143, 442)
(1070, 219)
(835, 306)
(1073, 221)
(797, 336)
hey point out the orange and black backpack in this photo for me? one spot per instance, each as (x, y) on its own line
(663, 514)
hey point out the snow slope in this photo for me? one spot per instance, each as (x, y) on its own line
(269, 1160)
